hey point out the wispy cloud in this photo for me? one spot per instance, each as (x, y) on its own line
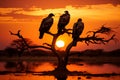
(53, 3)
(5, 11)
(86, 10)
(93, 11)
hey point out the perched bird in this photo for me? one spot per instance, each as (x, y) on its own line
(77, 30)
(46, 25)
(63, 21)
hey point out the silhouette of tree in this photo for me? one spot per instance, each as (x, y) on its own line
(19, 46)
(63, 60)
(11, 51)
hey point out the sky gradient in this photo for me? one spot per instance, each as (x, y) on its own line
(26, 15)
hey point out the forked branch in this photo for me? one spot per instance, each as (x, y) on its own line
(98, 40)
(21, 37)
(94, 39)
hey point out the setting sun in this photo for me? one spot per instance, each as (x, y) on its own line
(60, 43)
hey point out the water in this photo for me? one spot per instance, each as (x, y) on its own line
(48, 66)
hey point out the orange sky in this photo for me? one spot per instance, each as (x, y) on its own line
(26, 15)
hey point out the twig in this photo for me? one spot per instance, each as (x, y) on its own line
(47, 44)
(96, 40)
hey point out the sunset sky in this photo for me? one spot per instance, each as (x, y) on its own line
(26, 15)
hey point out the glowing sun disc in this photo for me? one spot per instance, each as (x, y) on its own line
(60, 43)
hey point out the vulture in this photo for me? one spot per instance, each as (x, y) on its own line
(77, 30)
(46, 25)
(63, 21)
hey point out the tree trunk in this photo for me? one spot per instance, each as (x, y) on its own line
(62, 62)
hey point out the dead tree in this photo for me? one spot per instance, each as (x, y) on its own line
(63, 60)
(20, 46)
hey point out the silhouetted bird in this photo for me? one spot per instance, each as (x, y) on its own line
(77, 30)
(46, 25)
(63, 21)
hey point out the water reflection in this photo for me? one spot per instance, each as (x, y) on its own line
(23, 66)
(62, 76)
(16, 66)
(105, 68)
(31, 77)
(46, 66)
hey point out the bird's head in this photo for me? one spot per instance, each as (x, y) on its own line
(79, 19)
(66, 12)
(51, 14)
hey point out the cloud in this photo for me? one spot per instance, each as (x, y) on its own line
(75, 11)
(93, 11)
(53, 3)
(5, 11)
(6, 18)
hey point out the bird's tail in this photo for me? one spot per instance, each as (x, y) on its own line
(41, 35)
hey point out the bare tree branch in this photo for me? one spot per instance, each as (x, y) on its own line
(67, 31)
(50, 33)
(40, 47)
(47, 44)
(102, 30)
(95, 40)
(64, 31)
(21, 37)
